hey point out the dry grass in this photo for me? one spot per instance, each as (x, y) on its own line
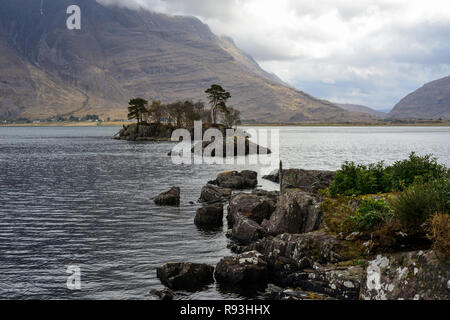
(439, 233)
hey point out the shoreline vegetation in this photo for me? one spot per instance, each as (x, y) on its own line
(369, 232)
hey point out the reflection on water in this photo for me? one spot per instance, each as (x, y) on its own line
(73, 196)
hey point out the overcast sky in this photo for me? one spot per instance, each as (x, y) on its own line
(369, 52)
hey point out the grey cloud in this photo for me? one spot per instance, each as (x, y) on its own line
(369, 52)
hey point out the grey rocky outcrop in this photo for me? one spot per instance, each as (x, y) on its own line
(185, 276)
(296, 212)
(210, 216)
(251, 206)
(306, 180)
(237, 180)
(169, 198)
(211, 193)
(246, 269)
(246, 230)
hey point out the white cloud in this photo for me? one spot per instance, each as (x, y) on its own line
(370, 52)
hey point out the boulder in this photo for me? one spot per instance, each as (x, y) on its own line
(185, 276)
(169, 198)
(211, 193)
(297, 212)
(414, 275)
(251, 206)
(237, 180)
(237, 145)
(246, 230)
(246, 269)
(210, 216)
(307, 180)
(338, 282)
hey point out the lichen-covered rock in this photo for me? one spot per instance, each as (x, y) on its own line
(169, 198)
(237, 180)
(250, 206)
(246, 230)
(211, 193)
(210, 216)
(246, 269)
(339, 282)
(297, 212)
(303, 250)
(185, 276)
(407, 276)
(307, 180)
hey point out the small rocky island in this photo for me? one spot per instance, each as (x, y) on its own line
(328, 235)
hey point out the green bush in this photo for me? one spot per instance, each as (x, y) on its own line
(403, 174)
(418, 203)
(353, 179)
(357, 180)
(372, 214)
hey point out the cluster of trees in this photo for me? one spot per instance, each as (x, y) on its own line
(184, 113)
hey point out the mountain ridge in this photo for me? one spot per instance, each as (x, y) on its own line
(431, 101)
(120, 53)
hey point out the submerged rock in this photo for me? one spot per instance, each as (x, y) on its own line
(169, 198)
(237, 180)
(211, 193)
(185, 276)
(307, 180)
(210, 216)
(297, 212)
(165, 294)
(414, 275)
(246, 269)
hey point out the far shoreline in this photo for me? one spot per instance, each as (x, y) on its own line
(323, 124)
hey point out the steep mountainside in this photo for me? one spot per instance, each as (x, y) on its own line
(48, 70)
(432, 101)
(363, 109)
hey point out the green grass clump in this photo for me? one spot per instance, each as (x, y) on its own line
(414, 206)
(372, 214)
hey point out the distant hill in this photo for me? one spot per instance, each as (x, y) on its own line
(48, 70)
(362, 109)
(432, 101)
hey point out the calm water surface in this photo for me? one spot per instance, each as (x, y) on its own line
(74, 196)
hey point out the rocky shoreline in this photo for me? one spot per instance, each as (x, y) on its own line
(282, 250)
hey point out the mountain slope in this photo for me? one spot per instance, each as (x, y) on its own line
(362, 109)
(47, 70)
(432, 101)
